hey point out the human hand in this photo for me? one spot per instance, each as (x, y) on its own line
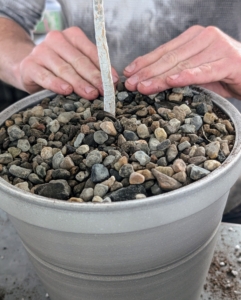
(64, 62)
(203, 56)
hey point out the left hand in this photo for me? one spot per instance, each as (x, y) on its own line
(203, 56)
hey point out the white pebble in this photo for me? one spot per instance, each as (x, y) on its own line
(140, 196)
(235, 273)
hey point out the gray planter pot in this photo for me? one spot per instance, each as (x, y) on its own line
(155, 248)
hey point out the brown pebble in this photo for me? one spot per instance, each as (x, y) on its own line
(9, 123)
(136, 178)
(179, 166)
(75, 199)
(165, 170)
(147, 174)
(180, 177)
(165, 182)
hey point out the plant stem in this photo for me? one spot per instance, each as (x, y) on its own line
(104, 59)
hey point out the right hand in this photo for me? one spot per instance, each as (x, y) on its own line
(64, 62)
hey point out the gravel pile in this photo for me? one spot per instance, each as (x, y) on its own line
(68, 148)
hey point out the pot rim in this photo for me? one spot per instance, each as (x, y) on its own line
(192, 188)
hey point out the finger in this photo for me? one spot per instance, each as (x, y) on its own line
(42, 78)
(150, 58)
(199, 50)
(65, 71)
(77, 60)
(203, 74)
(81, 42)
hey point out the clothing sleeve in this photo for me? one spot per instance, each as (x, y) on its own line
(25, 12)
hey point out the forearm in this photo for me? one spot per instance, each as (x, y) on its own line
(16, 44)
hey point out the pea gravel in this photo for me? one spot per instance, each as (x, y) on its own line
(69, 149)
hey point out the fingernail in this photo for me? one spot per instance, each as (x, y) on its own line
(130, 68)
(89, 89)
(65, 86)
(115, 78)
(173, 77)
(147, 82)
(133, 80)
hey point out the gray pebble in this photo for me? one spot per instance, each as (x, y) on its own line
(153, 143)
(197, 122)
(100, 190)
(198, 172)
(41, 171)
(82, 175)
(142, 157)
(57, 159)
(34, 178)
(5, 158)
(61, 174)
(23, 144)
(19, 172)
(184, 145)
(54, 126)
(99, 173)
(87, 194)
(79, 140)
(188, 128)
(94, 157)
(126, 170)
(100, 137)
(15, 133)
(122, 96)
(172, 126)
(164, 145)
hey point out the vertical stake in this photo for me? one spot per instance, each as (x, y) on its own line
(104, 58)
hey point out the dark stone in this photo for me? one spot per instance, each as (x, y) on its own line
(221, 156)
(76, 158)
(58, 189)
(70, 149)
(61, 174)
(27, 130)
(102, 114)
(116, 174)
(127, 193)
(202, 108)
(79, 188)
(89, 140)
(164, 145)
(64, 139)
(130, 135)
(129, 147)
(118, 126)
